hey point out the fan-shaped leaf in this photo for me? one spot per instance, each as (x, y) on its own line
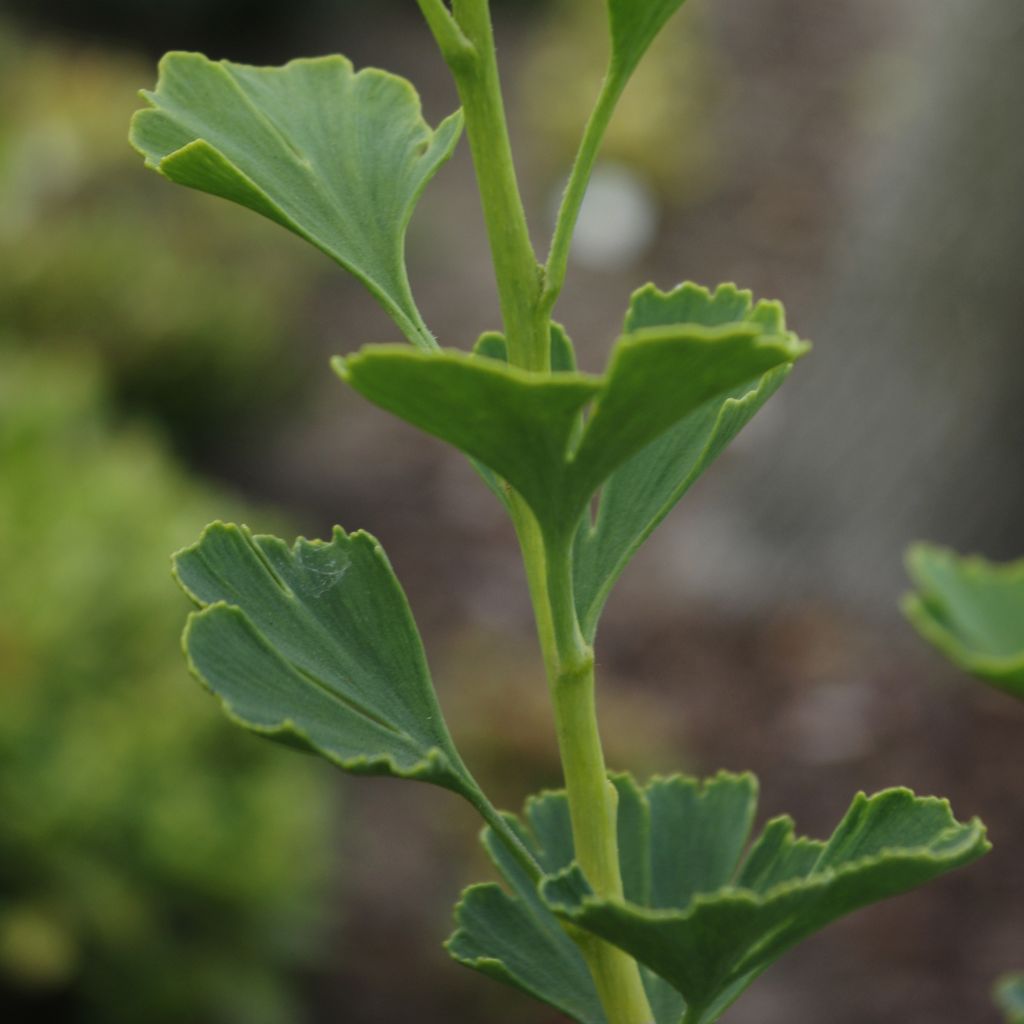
(525, 426)
(642, 491)
(516, 423)
(713, 920)
(513, 937)
(337, 157)
(493, 345)
(315, 645)
(972, 610)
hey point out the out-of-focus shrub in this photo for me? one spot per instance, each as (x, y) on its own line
(155, 864)
(190, 304)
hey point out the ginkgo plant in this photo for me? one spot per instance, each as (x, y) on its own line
(622, 903)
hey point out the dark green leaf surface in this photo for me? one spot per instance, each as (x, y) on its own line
(516, 423)
(315, 645)
(1009, 994)
(972, 610)
(512, 936)
(641, 492)
(713, 919)
(634, 26)
(525, 426)
(337, 157)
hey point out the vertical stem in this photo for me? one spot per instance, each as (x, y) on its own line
(518, 273)
(592, 798)
(590, 802)
(468, 45)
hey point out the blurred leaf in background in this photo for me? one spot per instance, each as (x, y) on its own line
(190, 303)
(155, 864)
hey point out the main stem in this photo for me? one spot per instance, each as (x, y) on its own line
(466, 38)
(569, 661)
(519, 275)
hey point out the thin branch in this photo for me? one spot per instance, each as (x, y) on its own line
(451, 40)
(576, 189)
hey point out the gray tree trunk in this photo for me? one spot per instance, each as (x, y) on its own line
(908, 419)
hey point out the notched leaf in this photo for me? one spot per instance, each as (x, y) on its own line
(711, 938)
(338, 157)
(315, 645)
(524, 946)
(516, 423)
(972, 610)
(526, 427)
(645, 488)
(511, 935)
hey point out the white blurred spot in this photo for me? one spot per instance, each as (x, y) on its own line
(618, 221)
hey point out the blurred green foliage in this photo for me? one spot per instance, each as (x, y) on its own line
(190, 304)
(155, 864)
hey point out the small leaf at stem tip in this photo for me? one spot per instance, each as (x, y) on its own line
(634, 26)
(315, 646)
(972, 610)
(1009, 996)
(526, 426)
(337, 157)
(710, 918)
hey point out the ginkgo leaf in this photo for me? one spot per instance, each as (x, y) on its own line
(515, 422)
(1009, 995)
(511, 935)
(715, 918)
(641, 492)
(315, 645)
(525, 426)
(493, 345)
(337, 157)
(634, 26)
(972, 610)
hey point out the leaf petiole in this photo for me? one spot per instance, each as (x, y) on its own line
(572, 200)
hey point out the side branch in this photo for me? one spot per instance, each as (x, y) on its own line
(576, 190)
(451, 40)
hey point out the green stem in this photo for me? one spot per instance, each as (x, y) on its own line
(592, 798)
(454, 46)
(526, 304)
(519, 276)
(576, 189)
(501, 828)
